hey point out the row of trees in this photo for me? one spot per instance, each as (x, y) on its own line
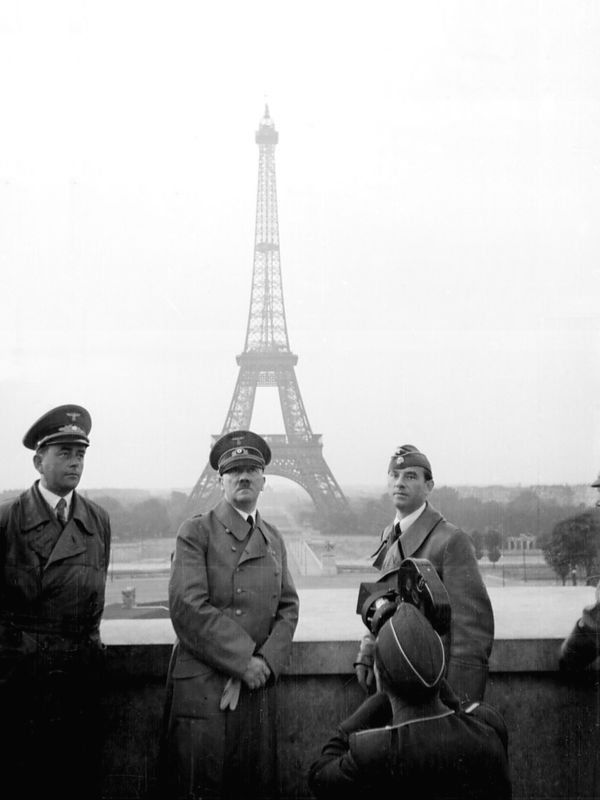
(525, 513)
(569, 536)
(150, 518)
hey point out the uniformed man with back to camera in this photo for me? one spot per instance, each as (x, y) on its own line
(54, 555)
(234, 608)
(403, 740)
(419, 531)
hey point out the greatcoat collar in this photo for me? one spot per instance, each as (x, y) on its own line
(259, 542)
(40, 525)
(412, 538)
(35, 511)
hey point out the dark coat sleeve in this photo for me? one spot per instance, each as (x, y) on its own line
(204, 630)
(582, 645)
(472, 631)
(335, 773)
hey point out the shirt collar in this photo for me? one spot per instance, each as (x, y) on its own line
(406, 522)
(52, 499)
(245, 514)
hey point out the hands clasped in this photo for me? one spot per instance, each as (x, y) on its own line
(257, 673)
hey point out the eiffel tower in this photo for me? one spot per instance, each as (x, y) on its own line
(268, 361)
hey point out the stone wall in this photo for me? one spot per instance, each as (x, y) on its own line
(553, 719)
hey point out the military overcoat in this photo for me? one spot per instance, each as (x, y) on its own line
(52, 582)
(231, 596)
(472, 631)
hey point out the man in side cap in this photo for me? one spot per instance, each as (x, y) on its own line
(419, 531)
(234, 608)
(54, 554)
(404, 739)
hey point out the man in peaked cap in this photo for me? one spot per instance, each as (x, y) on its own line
(234, 608)
(419, 531)
(405, 739)
(54, 554)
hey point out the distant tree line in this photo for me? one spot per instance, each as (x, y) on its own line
(526, 513)
(568, 534)
(150, 518)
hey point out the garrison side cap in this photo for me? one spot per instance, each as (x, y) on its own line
(239, 449)
(407, 455)
(68, 424)
(410, 651)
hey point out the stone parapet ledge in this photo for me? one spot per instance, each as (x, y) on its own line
(530, 626)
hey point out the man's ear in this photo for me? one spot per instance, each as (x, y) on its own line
(37, 460)
(263, 483)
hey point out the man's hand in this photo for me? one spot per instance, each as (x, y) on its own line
(257, 673)
(363, 666)
(364, 676)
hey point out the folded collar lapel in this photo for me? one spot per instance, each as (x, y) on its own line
(35, 509)
(232, 521)
(414, 537)
(71, 542)
(80, 512)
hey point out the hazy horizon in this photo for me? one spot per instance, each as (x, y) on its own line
(438, 187)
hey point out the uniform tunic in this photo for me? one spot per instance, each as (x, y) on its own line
(231, 597)
(52, 583)
(449, 755)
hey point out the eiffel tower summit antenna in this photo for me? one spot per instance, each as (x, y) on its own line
(268, 361)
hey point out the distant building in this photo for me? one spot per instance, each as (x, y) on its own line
(522, 542)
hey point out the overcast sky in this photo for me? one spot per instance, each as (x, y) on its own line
(438, 175)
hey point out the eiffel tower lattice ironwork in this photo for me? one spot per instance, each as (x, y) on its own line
(268, 361)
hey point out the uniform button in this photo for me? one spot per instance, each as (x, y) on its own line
(239, 591)
(238, 612)
(233, 548)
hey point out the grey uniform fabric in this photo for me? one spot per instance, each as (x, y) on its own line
(231, 596)
(445, 756)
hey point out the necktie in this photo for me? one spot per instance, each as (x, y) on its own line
(250, 521)
(61, 511)
(396, 538)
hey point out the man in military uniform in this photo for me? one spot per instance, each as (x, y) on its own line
(419, 531)
(403, 741)
(234, 608)
(54, 554)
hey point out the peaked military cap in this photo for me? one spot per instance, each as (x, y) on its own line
(407, 455)
(239, 449)
(409, 652)
(596, 483)
(65, 424)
